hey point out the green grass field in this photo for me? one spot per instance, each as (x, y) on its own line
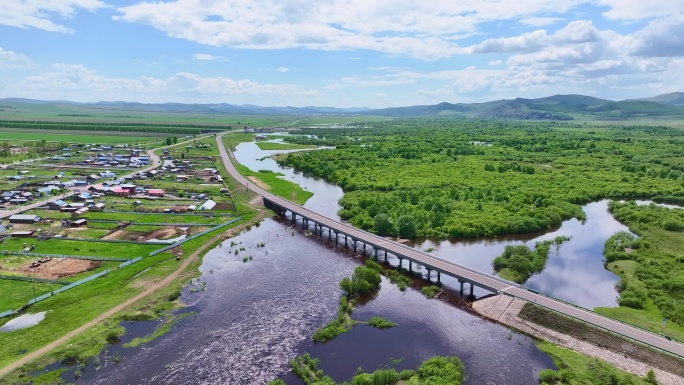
(75, 307)
(278, 186)
(68, 247)
(578, 369)
(78, 137)
(16, 293)
(73, 113)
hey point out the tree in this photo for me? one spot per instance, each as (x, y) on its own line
(175, 139)
(383, 224)
(346, 286)
(168, 141)
(406, 225)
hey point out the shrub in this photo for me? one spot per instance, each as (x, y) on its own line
(406, 374)
(174, 295)
(548, 376)
(430, 291)
(442, 370)
(399, 279)
(673, 225)
(380, 323)
(139, 317)
(112, 337)
(70, 357)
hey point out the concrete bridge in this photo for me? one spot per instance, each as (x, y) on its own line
(324, 226)
(357, 239)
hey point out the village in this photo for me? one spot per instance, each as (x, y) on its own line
(86, 209)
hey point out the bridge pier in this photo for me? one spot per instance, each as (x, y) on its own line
(385, 256)
(439, 279)
(401, 260)
(471, 289)
(461, 282)
(428, 275)
(376, 253)
(410, 266)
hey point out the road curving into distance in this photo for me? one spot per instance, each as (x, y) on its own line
(481, 279)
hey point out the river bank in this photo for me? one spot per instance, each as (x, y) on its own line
(505, 310)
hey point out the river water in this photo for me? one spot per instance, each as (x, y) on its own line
(253, 317)
(256, 316)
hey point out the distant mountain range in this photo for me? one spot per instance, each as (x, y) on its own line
(557, 107)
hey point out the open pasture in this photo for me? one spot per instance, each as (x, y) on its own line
(65, 136)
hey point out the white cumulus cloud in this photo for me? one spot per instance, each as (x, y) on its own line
(640, 9)
(13, 60)
(39, 13)
(661, 38)
(77, 82)
(204, 57)
(425, 30)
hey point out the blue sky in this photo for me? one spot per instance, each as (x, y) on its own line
(343, 53)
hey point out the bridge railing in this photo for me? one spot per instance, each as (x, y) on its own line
(646, 344)
(597, 314)
(400, 245)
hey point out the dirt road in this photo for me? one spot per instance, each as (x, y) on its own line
(64, 339)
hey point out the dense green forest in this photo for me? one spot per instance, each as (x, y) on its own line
(466, 178)
(650, 266)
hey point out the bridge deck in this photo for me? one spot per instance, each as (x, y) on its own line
(478, 278)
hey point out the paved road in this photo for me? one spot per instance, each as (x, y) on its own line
(481, 279)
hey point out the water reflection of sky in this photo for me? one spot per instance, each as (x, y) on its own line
(574, 273)
(326, 195)
(669, 206)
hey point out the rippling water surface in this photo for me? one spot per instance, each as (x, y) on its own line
(254, 317)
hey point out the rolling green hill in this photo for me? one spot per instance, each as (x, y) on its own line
(671, 99)
(556, 107)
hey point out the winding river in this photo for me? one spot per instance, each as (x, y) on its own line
(253, 317)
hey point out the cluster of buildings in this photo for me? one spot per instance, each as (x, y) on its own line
(23, 196)
(117, 160)
(107, 156)
(15, 197)
(80, 207)
(125, 190)
(57, 184)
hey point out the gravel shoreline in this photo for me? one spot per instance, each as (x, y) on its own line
(504, 309)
